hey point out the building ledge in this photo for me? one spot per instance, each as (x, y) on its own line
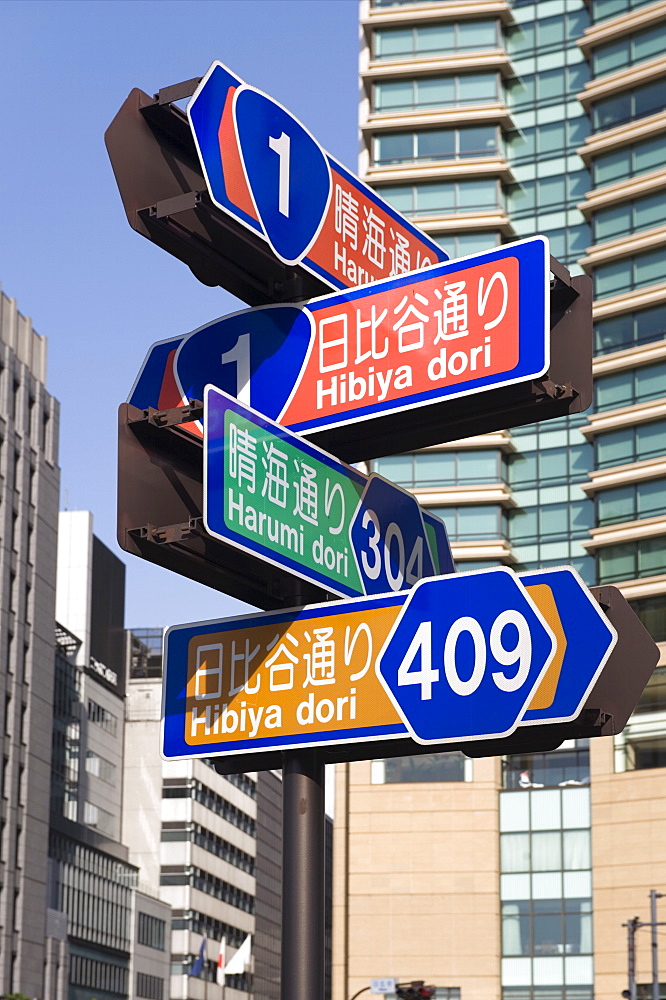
(647, 586)
(632, 357)
(445, 115)
(494, 166)
(622, 25)
(465, 222)
(495, 548)
(372, 17)
(625, 475)
(635, 298)
(497, 493)
(624, 416)
(622, 135)
(627, 531)
(623, 246)
(624, 190)
(623, 79)
(415, 65)
(497, 439)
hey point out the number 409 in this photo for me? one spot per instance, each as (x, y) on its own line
(420, 647)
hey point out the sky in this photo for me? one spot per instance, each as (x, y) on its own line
(98, 291)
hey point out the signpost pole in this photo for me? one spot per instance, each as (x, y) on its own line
(302, 876)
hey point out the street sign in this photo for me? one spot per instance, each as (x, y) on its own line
(277, 497)
(384, 985)
(465, 657)
(404, 350)
(328, 674)
(265, 169)
(485, 670)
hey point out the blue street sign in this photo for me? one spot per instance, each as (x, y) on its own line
(387, 533)
(266, 170)
(452, 330)
(280, 498)
(466, 656)
(456, 658)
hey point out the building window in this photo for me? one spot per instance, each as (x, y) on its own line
(436, 144)
(629, 330)
(433, 39)
(653, 698)
(652, 613)
(547, 87)
(634, 385)
(443, 197)
(629, 105)
(629, 50)
(99, 819)
(646, 557)
(100, 767)
(546, 33)
(199, 835)
(462, 244)
(545, 887)
(546, 141)
(628, 161)
(203, 923)
(568, 765)
(471, 522)
(630, 503)
(96, 975)
(631, 216)
(546, 458)
(151, 931)
(150, 987)
(643, 754)
(630, 444)
(442, 468)
(602, 9)
(102, 717)
(547, 194)
(435, 91)
(206, 882)
(549, 521)
(177, 788)
(451, 766)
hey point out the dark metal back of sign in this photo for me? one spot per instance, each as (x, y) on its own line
(165, 198)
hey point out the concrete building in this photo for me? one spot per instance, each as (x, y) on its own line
(487, 121)
(211, 845)
(202, 842)
(29, 478)
(108, 935)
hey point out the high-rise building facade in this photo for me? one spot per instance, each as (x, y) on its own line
(29, 478)
(487, 121)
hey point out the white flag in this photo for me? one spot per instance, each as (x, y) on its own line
(221, 959)
(241, 960)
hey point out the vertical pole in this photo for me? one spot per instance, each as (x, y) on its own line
(302, 876)
(631, 956)
(654, 896)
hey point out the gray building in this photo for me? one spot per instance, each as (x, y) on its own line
(212, 843)
(29, 478)
(107, 931)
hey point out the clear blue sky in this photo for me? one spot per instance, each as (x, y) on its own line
(98, 291)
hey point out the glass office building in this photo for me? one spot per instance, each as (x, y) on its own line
(487, 121)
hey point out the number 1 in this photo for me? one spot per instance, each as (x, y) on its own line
(240, 354)
(281, 147)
